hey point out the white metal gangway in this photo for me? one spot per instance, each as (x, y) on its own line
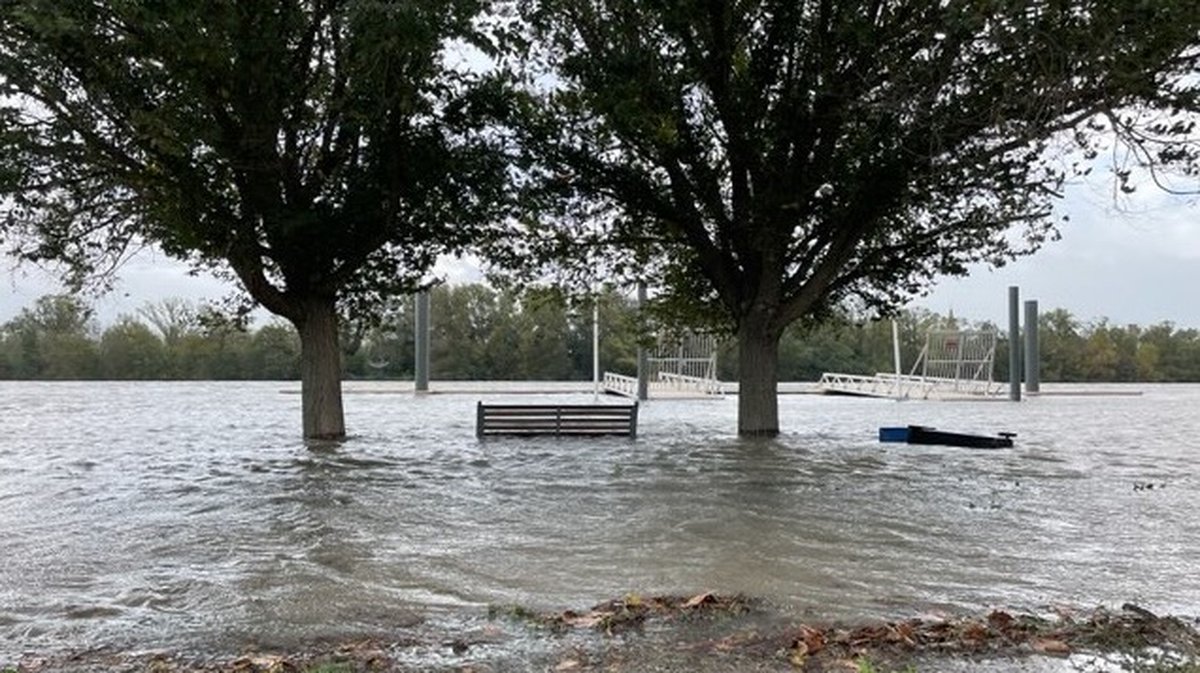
(906, 387)
(954, 364)
(665, 385)
(681, 366)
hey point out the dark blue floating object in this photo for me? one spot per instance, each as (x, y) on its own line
(920, 434)
(893, 435)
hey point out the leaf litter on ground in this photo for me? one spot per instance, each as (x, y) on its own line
(701, 632)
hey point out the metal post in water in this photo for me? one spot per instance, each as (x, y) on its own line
(643, 363)
(1014, 343)
(596, 349)
(1032, 356)
(421, 343)
(896, 354)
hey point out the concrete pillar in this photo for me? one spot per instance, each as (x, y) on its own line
(1014, 343)
(421, 342)
(1032, 356)
(643, 358)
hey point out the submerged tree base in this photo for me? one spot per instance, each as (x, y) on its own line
(710, 632)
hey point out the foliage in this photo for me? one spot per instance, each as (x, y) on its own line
(478, 333)
(762, 162)
(308, 146)
(130, 350)
(799, 153)
(482, 334)
(52, 340)
(320, 151)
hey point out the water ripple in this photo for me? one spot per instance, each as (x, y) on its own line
(175, 515)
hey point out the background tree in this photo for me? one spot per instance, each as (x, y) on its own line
(173, 319)
(54, 339)
(274, 352)
(59, 329)
(315, 149)
(131, 350)
(762, 161)
(1061, 346)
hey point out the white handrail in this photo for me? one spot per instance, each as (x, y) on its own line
(666, 382)
(889, 385)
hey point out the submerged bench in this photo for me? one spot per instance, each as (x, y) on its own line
(555, 419)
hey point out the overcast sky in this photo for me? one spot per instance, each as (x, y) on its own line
(1133, 262)
(1138, 262)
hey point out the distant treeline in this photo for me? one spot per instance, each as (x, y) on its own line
(482, 334)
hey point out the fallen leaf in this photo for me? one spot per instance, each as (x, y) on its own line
(974, 631)
(1000, 619)
(813, 639)
(1051, 646)
(799, 654)
(257, 663)
(568, 665)
(699, 599)
(589, 621)
(868, 634)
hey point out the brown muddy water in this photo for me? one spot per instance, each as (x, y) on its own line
(190, 516)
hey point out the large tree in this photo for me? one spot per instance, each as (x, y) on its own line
(318, 150)
(763, 160)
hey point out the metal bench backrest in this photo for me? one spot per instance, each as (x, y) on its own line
(555, 419)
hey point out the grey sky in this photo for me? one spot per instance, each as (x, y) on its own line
(1136, 263)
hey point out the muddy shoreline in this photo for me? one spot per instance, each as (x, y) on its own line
(702, 632)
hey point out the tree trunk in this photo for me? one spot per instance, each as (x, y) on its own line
(320, 370)
(758, 378)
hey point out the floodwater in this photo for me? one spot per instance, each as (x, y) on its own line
(190, 515)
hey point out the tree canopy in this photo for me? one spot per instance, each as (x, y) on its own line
(760, 162)
(321, 151)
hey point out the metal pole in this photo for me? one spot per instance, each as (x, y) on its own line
(421, 343)
(896, 354)
(1032, 356)
(596, 349)
(643, 363)
(1014, 343)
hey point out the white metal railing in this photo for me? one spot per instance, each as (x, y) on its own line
(702, 367)
(957, 354)
(954, 364)
(620, 384)
(874, 386)
(905, 387)
(696, 384)
(666, 382)
(943, 384)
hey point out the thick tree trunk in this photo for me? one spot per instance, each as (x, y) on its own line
(320, 370)
(758, 378)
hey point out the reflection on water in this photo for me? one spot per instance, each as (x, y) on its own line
(183, 514)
